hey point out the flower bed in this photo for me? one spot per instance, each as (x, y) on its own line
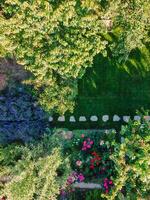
(112, 165)
(89, 155)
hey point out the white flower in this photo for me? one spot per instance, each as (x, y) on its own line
(101, 142)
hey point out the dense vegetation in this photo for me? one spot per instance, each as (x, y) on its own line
(33, 171)
(57, 41)
(54, 43)
(119, 162)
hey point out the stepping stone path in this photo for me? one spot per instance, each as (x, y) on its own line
(137, 118)
(126, 118)
(72, 119)
(94, 118)
(61, 119)
(50, 119)
(116, 118)
(105, 118)
(82, 119)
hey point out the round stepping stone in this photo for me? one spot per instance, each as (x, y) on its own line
(137, 118)
(147, 118)
(94, 118)
(61, 118)
(68, 135)
(50, 119)
(72, 119)
(82, 119)
(126, 118)
(105, 118)
(116, 118)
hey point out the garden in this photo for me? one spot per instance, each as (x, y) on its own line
(74, 100)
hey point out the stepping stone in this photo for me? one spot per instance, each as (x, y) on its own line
(105, 118)
(50, 119)
(72, 119)
(67, 135)
(82, 119)
(87, 185)
(116, 118)
(61, 118)
(126, 118)
(137, 118)
(147, 118)
(94, 118)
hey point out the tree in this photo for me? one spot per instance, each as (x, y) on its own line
(58, 41)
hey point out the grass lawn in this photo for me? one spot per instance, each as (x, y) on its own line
(107, 88)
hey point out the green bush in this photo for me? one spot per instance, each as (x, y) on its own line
(35, 171)
(131, 175)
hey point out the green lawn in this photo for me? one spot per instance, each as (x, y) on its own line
(111, 89)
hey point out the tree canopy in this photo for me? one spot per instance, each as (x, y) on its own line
(58, 40)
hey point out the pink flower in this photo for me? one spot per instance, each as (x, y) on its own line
(62, 192)
(88, 146)
(82, 135)
(110, 182)
(106, 191)
(79, 163)
(81, 177)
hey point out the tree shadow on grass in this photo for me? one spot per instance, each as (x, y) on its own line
(21, 119)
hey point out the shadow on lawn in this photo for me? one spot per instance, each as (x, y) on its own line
(21, 119)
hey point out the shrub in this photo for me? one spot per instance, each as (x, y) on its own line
(131, 176)
(36, 171)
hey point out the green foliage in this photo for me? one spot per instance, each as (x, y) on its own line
(56, 44)
(132, 27)
(131, 158)
(36, 171)
(58, 40)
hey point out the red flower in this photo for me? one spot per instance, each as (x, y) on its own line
(94, 153)
(92, 167)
